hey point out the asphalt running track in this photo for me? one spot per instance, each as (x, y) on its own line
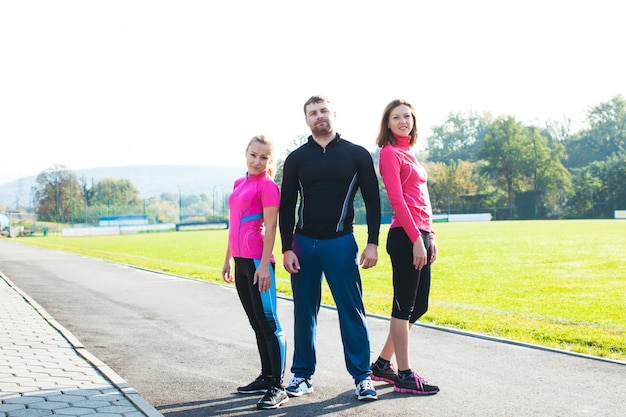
(184, 345)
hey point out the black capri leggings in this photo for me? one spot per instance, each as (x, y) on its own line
(411, 287)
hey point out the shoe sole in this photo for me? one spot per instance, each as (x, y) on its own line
(256, 391)
(263, 406)
(382, 379)
(367, 397)
(299, 393)
(412, 391)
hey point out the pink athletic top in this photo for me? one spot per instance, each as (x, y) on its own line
(246, 229)
(406, 184)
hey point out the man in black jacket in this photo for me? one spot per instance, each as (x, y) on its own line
(326, 173)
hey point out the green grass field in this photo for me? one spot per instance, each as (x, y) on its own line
(560, 284)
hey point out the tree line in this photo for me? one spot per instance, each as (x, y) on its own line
(60, 196)
(477, 162)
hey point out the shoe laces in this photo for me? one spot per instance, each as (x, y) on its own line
(297, 380)
(420, 382)
(366, 385)
(388, 365)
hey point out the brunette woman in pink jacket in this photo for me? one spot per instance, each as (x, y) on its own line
(410, 244)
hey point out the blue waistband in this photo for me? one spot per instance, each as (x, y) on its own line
(251, 217)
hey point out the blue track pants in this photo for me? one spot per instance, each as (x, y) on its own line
(337, 260)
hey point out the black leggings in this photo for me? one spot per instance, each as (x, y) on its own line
(261, 311)
(411, 287)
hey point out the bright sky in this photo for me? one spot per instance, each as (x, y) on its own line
(142, 82)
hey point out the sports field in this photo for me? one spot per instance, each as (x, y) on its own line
(560, 284)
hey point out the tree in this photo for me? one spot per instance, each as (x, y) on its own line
(558, 130)
(503, 149)
(163, 210)
(605, 136)
(596, 157)
(448, 183)
(114, 191)
(548, 180)
(113, 196)
(58, 195)
(586, 185)
(522, 160)
(298, 141)
(610, 191)
(458, 138)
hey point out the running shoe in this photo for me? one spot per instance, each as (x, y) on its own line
(273, 398)
(365, 390)
(415, 384)
(387, 374)
(298, 386)
(259, 386)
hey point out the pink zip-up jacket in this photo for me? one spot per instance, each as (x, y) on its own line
(406, 184)
(246, 230)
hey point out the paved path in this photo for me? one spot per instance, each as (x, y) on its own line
(45, 371)
(184, 345)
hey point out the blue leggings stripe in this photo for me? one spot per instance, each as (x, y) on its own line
(268, 301)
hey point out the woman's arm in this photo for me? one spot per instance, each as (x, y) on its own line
(262, 273)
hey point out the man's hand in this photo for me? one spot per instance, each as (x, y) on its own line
(290, 262)
(369, 257)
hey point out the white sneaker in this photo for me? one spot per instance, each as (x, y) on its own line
(365, 390)
(298, 386)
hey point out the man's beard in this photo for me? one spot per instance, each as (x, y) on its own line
(322, 129)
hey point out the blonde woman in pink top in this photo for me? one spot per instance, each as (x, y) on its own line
(410, 244)
(253, 216)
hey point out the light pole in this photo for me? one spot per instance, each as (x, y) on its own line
(56, 217)
(213, 214)
(180, 206)
(72, 198)
(223, 205)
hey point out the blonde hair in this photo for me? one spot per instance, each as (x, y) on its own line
(263, 140)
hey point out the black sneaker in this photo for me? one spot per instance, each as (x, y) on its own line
(387, 374)
(415, 384)
(273, 398)
(259, 386)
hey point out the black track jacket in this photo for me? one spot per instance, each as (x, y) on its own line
(327, 181)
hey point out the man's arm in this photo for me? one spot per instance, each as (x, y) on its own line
(288, 200)
(368, 182)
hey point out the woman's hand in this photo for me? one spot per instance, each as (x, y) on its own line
(433, 249)
(226, 274)
(419, 253)
(262, 276)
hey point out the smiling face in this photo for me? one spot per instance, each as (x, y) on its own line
(258, 157)
(401, 120)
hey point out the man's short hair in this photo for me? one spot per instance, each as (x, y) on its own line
(316, 99)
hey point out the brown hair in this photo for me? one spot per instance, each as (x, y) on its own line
(315, 99)
(384, 134)
(262, 139)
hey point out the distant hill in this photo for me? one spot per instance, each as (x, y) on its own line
(150, 180)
